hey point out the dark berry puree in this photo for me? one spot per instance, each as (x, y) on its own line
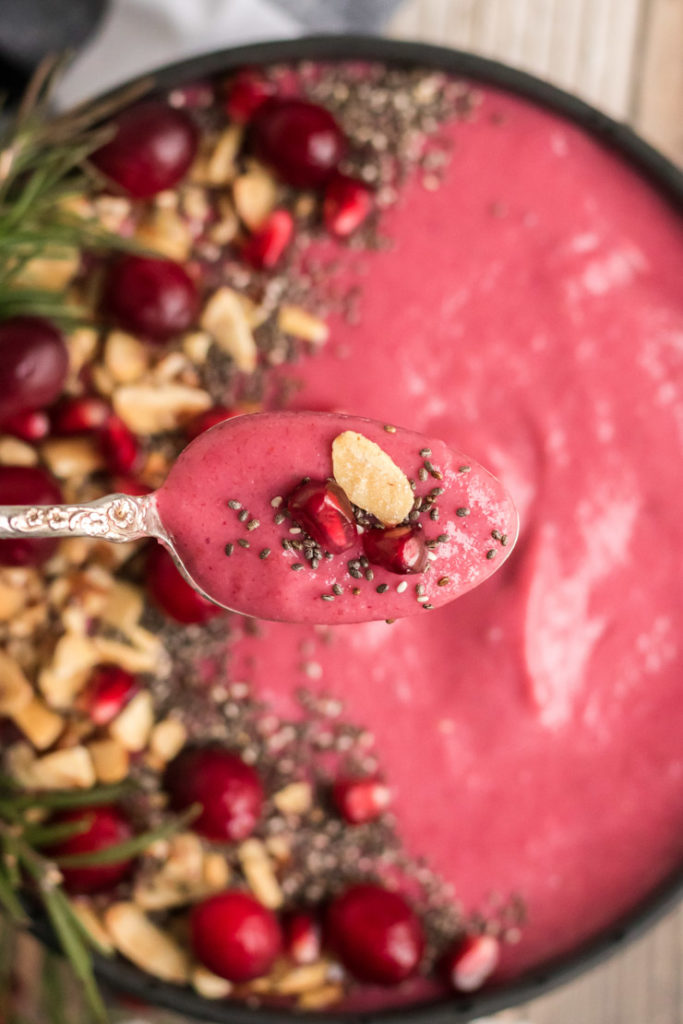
(529, 310)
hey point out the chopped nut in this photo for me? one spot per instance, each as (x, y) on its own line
(196, 346)
(172, 366)
(255, 194)
(83, 910)
(48, 273)
(132, 658)
(64, 769)
(296, 798)
(65, 675)
(226, 227)
(370, 478)
(321, 997)
(166, 233)
(151, 949)
(14, 452)
(81, 344)
(299, 322)
(153, 408)
(209, 985)
(195, 203)
(111, 760)
(259, 873)
(217, 160)
(12, 600)
(216, 872)
(15, 690)
(112, 212)
(102, 379)
(178, 881)
(225, 319)
(72, 457)
(132, 727)
(279, 847)
(167, 739)
(124, 606)
(302, 979)
(20, 760)
(125, 357)
(38, 723)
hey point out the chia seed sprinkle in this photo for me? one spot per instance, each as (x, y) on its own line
(229, 548)
(491, 553)
(462, 511)
(389, 428)
(420, 589)
(327, 597)
(434, 514)
(504, 539)
(433, 471)
(356, 591)
(295, 530)
(254, 524)
(425, 453)
(402, 587)
(243, 542)
(336, 589)
(243, 515)
(422, 474)
(496, 534)
(464, 469)
(279, 518)
(428, 607)
(442, 538)
(276, 502)
(436, 492)
(264, 553)
(234, 505)
(382, 588)
(369, 575)
(296, 566)
(444, 581)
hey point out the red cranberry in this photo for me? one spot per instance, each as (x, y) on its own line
(235, 936)
(80, 415)
(401, 549)
(119, 446)
(152, 148)
(108, 826)
(376, 934)
(471, 961)
(346, 204)
(300, 140)
(107, 693)
(247, 91)
(206, 420)
(172, 593)
(264, 248)
(155, 298)
(27, 485)
(228, 790)
(360, 800)
(29, 426)
(325, 513)
(33, 364)
(303, 940)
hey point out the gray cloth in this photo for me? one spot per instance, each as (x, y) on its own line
(341, 15)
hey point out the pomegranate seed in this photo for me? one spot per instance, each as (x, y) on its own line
(130, 485)
(193, 96)
(471, 961)
(172, 593)
(303, 939)
(108, 826)
(228, 790)
(155, 298)
(376, 934)
(235, 936)
(346, 204)
(206, 420)
(107, 693)
(360, 800)
(264, 248)
(33, 364)
(29, 426)
(119, 446)
(247, 91)
(300, 140)
(79, 415)
(27, 485)
(322, 509)
(152, 149)
(401, 549)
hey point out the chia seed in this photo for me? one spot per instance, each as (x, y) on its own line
(327, 597)
(463, 511)
(229, 548)
(279, 518)
(264, 554)
(491, 553)
(234, 505)
(389, 428)
(444, 581)
(254, 524)
(243, 515)
(296, 567)
(243, 542)
(369, 575)
(425, 453)
(336, 589)
(382, 588)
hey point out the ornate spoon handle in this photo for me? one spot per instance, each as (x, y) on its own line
(117, 517)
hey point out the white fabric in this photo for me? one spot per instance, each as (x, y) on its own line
(139, 35)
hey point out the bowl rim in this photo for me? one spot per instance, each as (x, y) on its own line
(667, 178)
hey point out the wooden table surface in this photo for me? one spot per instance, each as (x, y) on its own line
(625, 57)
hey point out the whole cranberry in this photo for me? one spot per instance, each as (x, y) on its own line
(29, 426)
(323, 510)
(375, 934)
(79, 415)
(172, 593)
(246, 92)
(107, 692)
(151, 150)
(302, 937)
(235, 936)
(119, 446)
(33, 364)
(154, 298)
(108, 826)
(401, 549)
(27, 485)
(360, 800)
(300, 140)
(228, 790)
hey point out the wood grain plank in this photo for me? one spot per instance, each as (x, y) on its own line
(657, 107)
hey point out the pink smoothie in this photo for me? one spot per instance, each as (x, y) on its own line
(531, 311)
(228, 488)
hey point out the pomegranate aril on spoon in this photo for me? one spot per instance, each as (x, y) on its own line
(325, 513)
(154, 298)
(33, 364)
(401, 550)
(301, 141)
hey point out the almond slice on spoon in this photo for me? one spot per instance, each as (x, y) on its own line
(370, 478)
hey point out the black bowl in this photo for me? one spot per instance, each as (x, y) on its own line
(667, 179)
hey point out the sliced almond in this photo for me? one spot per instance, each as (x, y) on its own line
(81, 345)
(209, 985)
(111, 760)
(320, 998)
(221, 163)
(16, 692)
(296, 798)
(195, 204)
(72, 457)
(12, 600)
(196, 346)
(83, 910)
(64, 769)
(48, 273)
(38, 723)
(102, 379)
(14, 452)
(132, 658)
(20, 762)
(124, 606)
(125, 357)
(65, 675)
(165, 232)
(255, 194)
(370, 478)
(151, 409)
(216, 872)
(302, 979)
(226, 226)
(225, 319)
(151, 949)
(133, 726)
(279, 847)
(113, 212)
(178, 881)
(259, 873)
(167, 739)
(297, 321)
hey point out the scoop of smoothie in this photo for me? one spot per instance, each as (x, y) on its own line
(320, 517)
